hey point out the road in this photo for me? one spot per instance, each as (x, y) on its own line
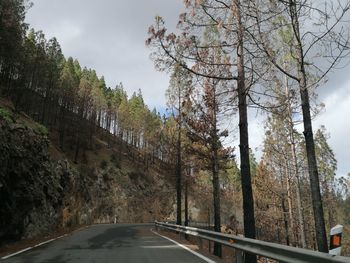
(107, 244)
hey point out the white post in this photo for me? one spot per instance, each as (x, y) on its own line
(335, 240)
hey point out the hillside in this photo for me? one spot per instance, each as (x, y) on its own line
(42, 189)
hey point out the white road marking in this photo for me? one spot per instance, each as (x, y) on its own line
(29, 248)
(43, 243)
(18, 252)
(186, 248)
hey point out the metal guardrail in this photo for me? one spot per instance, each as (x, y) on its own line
(265, 249)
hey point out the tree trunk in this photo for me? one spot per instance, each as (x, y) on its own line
(216, 197)
(248, 202)
(320, 228)
(215, 173)
(62, 126)
(178, 163)
(302, 238)
(186, 203)
(46, 106)
(284, 212)
(290, 204)
(298, 192)
(329, 205)
(99, 118)
(178, 179)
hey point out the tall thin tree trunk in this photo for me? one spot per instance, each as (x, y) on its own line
(99, 118)
(178, 178)
(46, 106)
(186, 203)
(179, 162)
(216, 193)
(298, 192)
(329, 204)
(320, 227)
(302, 238)
(215, 173)
(279, 240)
(286, 227)
(290, 204)
(62, 126)
(248, 202)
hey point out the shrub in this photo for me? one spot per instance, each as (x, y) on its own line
(42, 129)
(6, 115)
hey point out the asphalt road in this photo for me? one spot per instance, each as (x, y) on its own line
(108, 244)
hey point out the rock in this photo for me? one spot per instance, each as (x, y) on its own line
(32, 186)
(38, 194)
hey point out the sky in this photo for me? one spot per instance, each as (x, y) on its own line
(109, 36)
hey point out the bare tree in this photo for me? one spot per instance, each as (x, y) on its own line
(180, 83)
(226, 16)
(317, 38)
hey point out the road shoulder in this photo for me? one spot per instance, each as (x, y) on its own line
(21, 246)
(187, 245)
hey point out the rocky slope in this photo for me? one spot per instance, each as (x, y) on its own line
(32, 187)
(42, 190)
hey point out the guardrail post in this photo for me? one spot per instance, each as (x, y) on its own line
(181, 235)
(200, 243)
(239, 256)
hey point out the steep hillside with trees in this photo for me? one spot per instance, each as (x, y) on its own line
(43, 190)
(97, 156)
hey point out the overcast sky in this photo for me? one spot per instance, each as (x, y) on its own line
(109, 36)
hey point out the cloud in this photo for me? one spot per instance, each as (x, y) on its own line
(336, 120)
(67, 32)
(109, 36)
(255, 129)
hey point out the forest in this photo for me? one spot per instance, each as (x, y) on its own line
(227, 58)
